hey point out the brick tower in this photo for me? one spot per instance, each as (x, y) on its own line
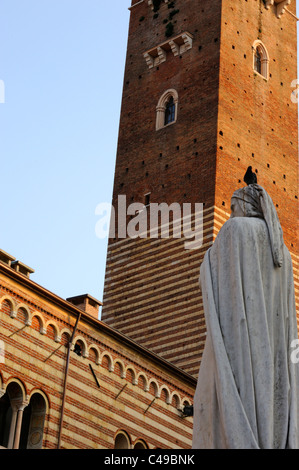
(207, 92)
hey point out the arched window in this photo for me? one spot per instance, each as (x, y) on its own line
(140, 444)
(33, 423)
(122, 441)
(12, 405)
(169, 111)
(166, 111)
(21, 423)
(260, 59)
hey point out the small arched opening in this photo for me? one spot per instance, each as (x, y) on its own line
(260, 59)
(122, 441)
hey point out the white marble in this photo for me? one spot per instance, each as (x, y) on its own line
(247, 392)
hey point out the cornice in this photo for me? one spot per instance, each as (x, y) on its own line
(95, 323)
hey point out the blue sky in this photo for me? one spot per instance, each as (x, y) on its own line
(62, 63)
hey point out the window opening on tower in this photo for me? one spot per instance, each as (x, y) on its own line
(169, 111)
(257, 62)
(167, 108)
(260, 59)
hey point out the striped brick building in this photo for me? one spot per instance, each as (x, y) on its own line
(208, 90)
(69, 381)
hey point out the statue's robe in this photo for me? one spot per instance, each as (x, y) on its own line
(247, 391)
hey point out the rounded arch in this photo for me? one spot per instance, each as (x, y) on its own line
(161, 109)
(132, 371)
(12, 302)
(93, 349)
(41, 321)
(186, 402)
(26, 311)
(65, 335)
(122, 440)
(79, 343)
(260, 59)
(140, 444)
(106, 355)
(33, 421)
(154, 385)
(37, 391)
(165, 389)
(176, 400)
(16, 389)
(57, 337)
(142, 380)
(121, 365)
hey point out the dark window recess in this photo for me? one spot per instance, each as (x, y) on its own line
(78, 349)
(258, 62)
(169, 111)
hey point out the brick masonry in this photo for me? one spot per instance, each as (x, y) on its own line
(228, 118)
(138, 394)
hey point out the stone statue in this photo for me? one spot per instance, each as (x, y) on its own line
(248, 386)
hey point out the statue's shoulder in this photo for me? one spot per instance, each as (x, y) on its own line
(239, 223)
(242, 227)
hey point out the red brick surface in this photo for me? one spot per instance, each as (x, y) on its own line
(228, 118)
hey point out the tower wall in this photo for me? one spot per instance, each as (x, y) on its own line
(258, 118)
(225, 117)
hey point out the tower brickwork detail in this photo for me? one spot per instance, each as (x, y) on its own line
(207, 92)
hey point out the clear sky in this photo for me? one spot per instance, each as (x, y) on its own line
(62, 64)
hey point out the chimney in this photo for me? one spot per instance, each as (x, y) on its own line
(18, 266)
(6, 258)
(21, 268)
(87, 303)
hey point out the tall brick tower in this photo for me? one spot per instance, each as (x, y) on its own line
(207, 92)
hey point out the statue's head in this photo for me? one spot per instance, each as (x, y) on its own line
(254, 201)
(245, 202)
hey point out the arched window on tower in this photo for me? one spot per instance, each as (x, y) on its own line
(169, 111)
(166, 110)
(260, 59)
